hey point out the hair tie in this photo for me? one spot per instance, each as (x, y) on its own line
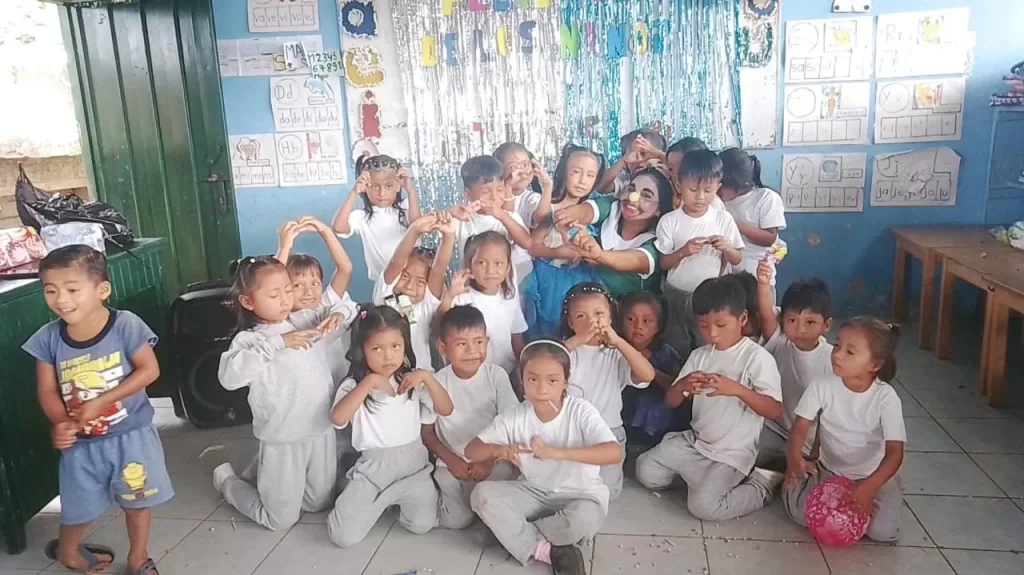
(544, 341)
(362, 314)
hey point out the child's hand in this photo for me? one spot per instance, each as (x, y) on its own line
(88, 411)
(403, 179)
(489, 206)
(544, 451)
(330, 324)
(797, 472)
(362, 183)
(764, 273)
(460, 469)
(692, 382)
(693, 246)
(424, 223)
(586, 244)
(541, 174)
(719, 243)
(64, 433)
(287, 232)
(301, 338)
(511, 453)
(413, 379)
(862, 498)
(721, 385)
(463, 212)
(646, 150)
(378, 381)
(480, 470)
(609, 336)
(444, 223)
(460, 283)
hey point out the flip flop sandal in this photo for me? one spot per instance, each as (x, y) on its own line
(147, 568)
(88, 551)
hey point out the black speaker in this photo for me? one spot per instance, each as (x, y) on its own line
(202, 328)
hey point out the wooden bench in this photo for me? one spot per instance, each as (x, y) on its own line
(921, 243)
(1006, 289)
(974, 265)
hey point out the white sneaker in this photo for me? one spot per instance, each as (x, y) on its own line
(767, 477)
(221, 474)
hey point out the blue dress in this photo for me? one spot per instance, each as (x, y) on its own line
(645, 410)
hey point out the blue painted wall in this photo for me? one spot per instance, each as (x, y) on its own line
(852, 252)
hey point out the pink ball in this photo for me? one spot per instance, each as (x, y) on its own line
(830, 516)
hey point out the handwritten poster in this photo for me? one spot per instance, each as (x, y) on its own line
(919, 110)
(823, 182)
(826, 114)
(308, 103)
(265, 56)
(919, 178)
(932, 43)
(830, 50)
(253, 160)
(267, 16)
(311, 158)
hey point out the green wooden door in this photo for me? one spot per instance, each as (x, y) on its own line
(147, 85)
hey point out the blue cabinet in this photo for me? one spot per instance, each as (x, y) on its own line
(1005, 203)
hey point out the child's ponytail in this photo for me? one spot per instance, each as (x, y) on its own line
(883, 338)
(756, 164)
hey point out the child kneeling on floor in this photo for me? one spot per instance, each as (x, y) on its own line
(734, 386)
(559, 444)
(861, 428)
(93, 364)
(479, 392)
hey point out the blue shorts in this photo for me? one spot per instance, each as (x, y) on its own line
(127, 469)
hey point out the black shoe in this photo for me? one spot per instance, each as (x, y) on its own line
(567, 560)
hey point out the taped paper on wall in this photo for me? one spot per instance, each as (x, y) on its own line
(919, 111)
(311, 158)
(295, 56)
(831, 50)
(826, 114)
(253, 160)
(277, 16)
(759, 72)
(931, 43)
(919, 178)
(308, 103)
(263, 56)
(823, 182)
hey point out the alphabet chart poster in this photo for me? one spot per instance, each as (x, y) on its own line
(266, 16)
(823, 182)
(826, 114)
(311, 158)
(253, 160)
(828, 50)
(310, 103)
(919, 178)
(919, 110)
(929, 43)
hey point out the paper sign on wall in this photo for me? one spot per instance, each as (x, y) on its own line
(278, 16)
(828, 50)
(826, 114)
(253, 160)
(919, 110)
(931, 43)
(823, 182)
(919, 178)
(264, 56)
(322, 64)
(308, 103)
(311, 158)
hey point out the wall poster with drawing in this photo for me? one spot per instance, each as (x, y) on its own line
(823, 182)
(919, 110)
(826, 114)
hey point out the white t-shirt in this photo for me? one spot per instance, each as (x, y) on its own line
(797, 369)
(475, 404)
(599, 374)
(419, 321)
(380, 235)
(578, 424)
(762, 208)
(525, 204)
(854, 426)
(386, 421)
(677, 227)
(726, 428)
(339, 341)
(504, 318)
(522, 263)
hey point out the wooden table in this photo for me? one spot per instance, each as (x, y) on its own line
(975, 265)
(921, 243)
(1006, 289)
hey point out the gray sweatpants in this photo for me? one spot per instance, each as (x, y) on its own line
(612, 474)
(715, 491)
(454, 509)
(885, 521)
(520, 516)
(291, 478)
(771, 450)
(383, 477)
(680, 331)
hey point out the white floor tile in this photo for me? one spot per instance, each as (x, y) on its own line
(443, 550)
(971, 523)
(911, 408)
(924, 434)
(201, 454)
(307, 550)
(648, 555)
(770, 523)
(217, 547)
(985, 562)
(38, 531)
(986, 436)
(912, 533)
(765, 558)
(638, 511)
(885, 560)
(164, 534)
(4, 571)
(945, 474)
(194, 498)
(496, 561)
(957, 404)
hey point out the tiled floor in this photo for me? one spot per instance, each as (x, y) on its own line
(964, 513)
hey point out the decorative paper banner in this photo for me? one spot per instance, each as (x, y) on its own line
(253, 160)
(311, 158)
(308, 103)
(373, 81)
(919, 178)
(919, 110)
(268, 16)
(823, 182)
(828, 50)
(932, 43)
(263, 56)
(323, 64)
(826, 114)
(759, 38)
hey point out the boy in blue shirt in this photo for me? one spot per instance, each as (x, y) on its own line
(93, 364)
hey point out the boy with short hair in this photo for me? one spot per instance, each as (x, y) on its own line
(734, 386)
(479, 392)
(483, 178)
(697, 242)
(93, 364)
(638, 147)
(796, 339)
